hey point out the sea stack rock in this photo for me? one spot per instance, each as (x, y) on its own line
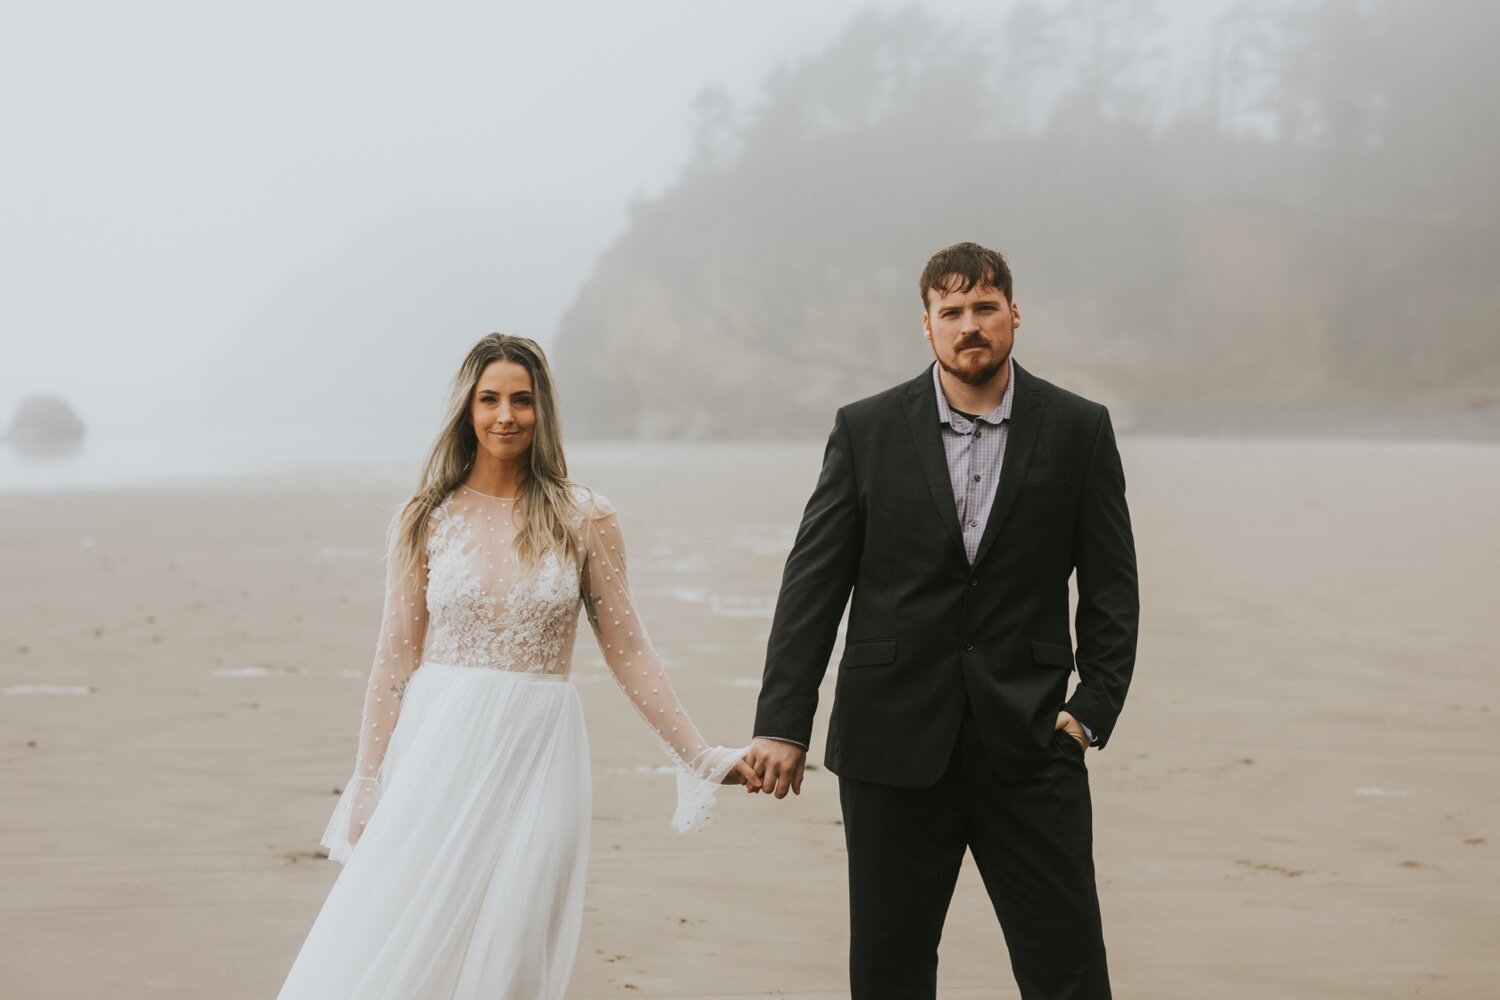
(45, 424)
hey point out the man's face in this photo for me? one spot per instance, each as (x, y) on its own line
(971, 332)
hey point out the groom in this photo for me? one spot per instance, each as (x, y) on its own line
(955, 508)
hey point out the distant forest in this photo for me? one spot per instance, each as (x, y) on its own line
(1309, 221)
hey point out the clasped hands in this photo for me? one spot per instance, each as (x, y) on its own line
(772, 766)
(776, 766)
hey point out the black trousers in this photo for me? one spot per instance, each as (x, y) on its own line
(1032, 840)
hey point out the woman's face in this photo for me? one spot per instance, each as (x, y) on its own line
(504, 410)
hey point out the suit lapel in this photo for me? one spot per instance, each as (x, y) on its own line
(1027, 407)
(920, 403)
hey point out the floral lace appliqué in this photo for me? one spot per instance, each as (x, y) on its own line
(523, 629)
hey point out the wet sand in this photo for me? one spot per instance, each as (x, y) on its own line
(1298, 802)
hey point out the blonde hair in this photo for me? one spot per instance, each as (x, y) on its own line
(546, 502)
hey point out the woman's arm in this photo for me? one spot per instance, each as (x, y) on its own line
(398, 651)
(633, 662)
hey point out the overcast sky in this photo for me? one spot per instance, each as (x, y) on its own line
(172, 166)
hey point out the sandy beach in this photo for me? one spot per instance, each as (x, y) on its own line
(1299, 801)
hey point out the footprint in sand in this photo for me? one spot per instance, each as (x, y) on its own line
(292, 857)
(1261, 866)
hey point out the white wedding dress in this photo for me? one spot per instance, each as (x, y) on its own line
(471, 785)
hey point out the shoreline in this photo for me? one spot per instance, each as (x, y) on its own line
(57, 477)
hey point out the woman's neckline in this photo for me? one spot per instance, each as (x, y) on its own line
(487, 496)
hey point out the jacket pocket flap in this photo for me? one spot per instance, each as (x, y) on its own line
(869, 654)
(1056, 654)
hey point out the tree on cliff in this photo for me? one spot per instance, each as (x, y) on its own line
(1320, 226)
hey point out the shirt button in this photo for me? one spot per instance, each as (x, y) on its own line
(976, 478)
(973, 524)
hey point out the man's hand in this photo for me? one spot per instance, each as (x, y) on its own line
(780, 765)
(1073, 728)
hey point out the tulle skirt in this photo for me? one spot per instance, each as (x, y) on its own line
(469, 879)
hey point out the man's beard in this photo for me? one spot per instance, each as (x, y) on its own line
(973, 376)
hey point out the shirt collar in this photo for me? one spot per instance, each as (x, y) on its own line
(947, 415)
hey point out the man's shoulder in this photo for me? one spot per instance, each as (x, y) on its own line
(889, 402)
(1026, 381)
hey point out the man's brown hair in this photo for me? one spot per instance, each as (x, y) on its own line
(961, 267)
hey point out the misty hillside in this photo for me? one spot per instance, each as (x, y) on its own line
(1313, 223)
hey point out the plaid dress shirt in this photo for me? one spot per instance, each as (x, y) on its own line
(975, 448)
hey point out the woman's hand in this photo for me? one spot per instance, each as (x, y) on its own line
(743, 774)
(366, 796)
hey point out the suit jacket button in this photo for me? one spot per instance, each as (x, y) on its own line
(973, 582)
(968, 645)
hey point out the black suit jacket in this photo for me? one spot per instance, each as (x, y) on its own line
(927, 630)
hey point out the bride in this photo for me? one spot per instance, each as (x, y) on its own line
(464, 830)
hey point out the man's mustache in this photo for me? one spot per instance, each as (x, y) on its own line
(969, 342)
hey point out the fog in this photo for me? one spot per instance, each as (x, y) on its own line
(290, 220)
(174, 170)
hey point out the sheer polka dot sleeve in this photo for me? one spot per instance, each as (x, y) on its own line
(398, 651)
(633, 661)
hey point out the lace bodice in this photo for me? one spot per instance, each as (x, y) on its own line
(472, 603)
(482, 611)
